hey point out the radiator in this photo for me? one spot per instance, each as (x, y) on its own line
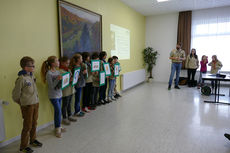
(131, 79)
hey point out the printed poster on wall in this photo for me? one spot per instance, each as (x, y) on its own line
(120, 42)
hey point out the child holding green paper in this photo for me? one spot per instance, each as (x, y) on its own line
(87, 90)
(67, 93)
(96, 83)
(52, 76)
(112, 80)
(76, 63)
(116, 93)
(102, 90)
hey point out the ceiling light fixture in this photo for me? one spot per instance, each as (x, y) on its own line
(162, 1)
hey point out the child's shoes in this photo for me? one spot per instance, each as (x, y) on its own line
(72, 119)
(63, 130)
(26, 150)
(65, 122)
(36, 143)
(58, 132)
(85, 110)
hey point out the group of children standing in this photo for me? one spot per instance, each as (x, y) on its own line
(26, 95)
(192, 64)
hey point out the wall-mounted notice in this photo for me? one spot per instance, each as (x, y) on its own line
(120, 42)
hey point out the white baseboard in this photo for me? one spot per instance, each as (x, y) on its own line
(123, 91)
(5, 143)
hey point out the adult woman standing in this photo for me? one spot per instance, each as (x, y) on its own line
(192, 63)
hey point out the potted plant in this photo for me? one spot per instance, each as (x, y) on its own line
(150, 57)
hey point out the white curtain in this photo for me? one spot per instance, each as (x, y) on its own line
(211, 34)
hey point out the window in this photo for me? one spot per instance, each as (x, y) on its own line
(211, 34)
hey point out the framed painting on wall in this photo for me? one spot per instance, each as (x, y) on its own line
(80, 30)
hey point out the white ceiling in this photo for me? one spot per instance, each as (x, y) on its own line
(152, 7)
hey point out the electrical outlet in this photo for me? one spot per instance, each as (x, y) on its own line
(5, 102)
(2, 102)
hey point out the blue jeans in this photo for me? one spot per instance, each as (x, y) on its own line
(111, 87)
(200, 79)
(57, 112)
(77, 100)
(175, 67)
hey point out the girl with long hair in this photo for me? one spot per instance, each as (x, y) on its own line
(192, 63)
(52, 77)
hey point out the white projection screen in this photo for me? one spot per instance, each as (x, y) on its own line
(120, 42)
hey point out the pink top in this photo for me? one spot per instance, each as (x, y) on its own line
(203, 66)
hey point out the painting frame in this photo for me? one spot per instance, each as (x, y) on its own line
(72, 38)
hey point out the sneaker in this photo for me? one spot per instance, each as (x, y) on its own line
(92, 108)
(177, 87)
(98, 103)
(105, 101)
(58, 132)
(72, 119)
(65, 122)
(85, 110)
(109, 100)
(79, 114)
(227, 136)
(63, 130)
(113, 98)
(118, 95)
(26, 150)
(36, 143)
(169, 87)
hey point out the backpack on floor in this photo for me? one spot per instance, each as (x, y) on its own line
(206, 90)
(182, 81)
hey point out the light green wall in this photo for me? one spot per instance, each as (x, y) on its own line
(30, 28)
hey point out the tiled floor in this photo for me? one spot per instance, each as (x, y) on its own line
(147, 119)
